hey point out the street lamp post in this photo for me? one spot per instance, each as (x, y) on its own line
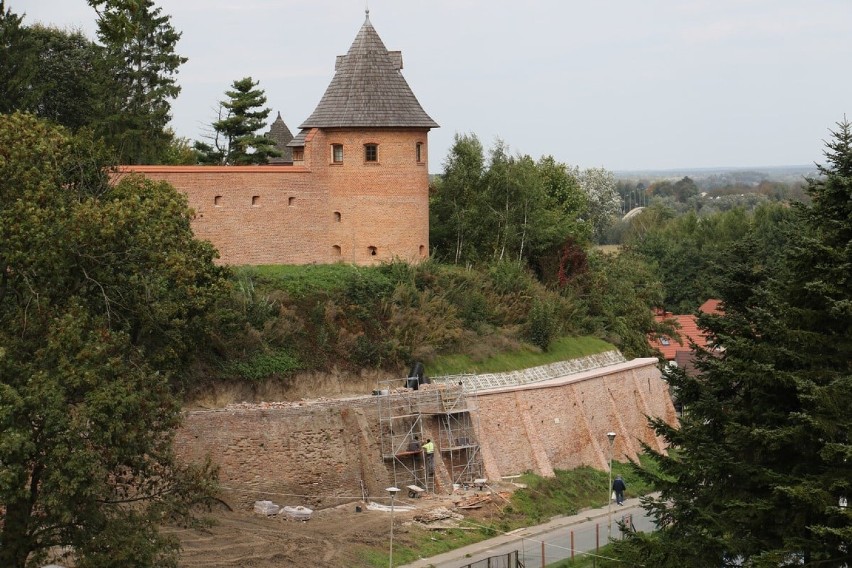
(611, 437)
(392, 491)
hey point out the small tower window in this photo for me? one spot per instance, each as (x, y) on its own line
(298, 154)
(418, 152)
(373, 251)
(291, 201)
(335, 250)
(255, 201)
(217, 201)
(337, 153)
(371, 152)
(337, 216)
(422, 250)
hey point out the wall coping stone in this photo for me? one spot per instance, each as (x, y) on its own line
(489, 381)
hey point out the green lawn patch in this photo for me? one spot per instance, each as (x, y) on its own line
(302, 280)
(562, 349)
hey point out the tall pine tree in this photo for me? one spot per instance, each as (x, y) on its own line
(18, 62)
(760, 471)
(235, 140)
(140, 42)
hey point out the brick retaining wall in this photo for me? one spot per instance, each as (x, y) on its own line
(318, 453)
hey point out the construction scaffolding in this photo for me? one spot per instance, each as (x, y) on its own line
(401, 432)
(459, 447)
(402, 412)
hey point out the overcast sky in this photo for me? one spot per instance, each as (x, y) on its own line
(623, 84)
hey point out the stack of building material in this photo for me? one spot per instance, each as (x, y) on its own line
(298, 513)
(267, 508)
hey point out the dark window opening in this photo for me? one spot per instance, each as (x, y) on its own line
(371, 152)
(337, 153)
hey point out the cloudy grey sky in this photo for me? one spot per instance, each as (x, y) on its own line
(623, 84)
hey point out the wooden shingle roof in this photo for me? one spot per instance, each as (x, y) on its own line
(280, 133)
(368, 90)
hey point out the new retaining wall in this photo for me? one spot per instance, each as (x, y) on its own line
(321, 453)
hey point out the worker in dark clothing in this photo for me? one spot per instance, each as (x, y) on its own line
(619, 486)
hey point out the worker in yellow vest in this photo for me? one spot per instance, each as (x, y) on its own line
(429, 450)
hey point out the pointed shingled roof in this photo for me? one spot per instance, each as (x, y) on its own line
(368, 89)
(280, 133)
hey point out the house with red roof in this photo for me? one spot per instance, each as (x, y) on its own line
(687, 327)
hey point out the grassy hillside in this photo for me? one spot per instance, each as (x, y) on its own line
(280, 321)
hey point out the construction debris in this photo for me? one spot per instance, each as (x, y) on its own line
(437, 514)
(440, 518)
(267, 508)
(478, 500)
(386, 508)
(298, 513)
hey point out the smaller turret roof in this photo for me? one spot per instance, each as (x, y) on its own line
(280, 133)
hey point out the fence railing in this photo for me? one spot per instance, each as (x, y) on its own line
(563, 544)
(509, 560)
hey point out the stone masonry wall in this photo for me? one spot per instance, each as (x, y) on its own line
(314, 454)
(318, 453)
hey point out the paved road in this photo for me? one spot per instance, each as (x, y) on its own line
(588, 527)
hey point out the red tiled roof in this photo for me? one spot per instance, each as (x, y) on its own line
(687, 328)
(711, 306)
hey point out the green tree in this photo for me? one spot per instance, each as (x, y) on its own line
(18, 62)
(103, 298)
(180, 152)
(762, 459)
(456, 201)
(140, 45)
(619, 293)
(686, 250)
(604, 201)
(69, 79)
(235, 138)
(512, 209)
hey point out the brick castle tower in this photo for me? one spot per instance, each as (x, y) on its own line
(357, 188)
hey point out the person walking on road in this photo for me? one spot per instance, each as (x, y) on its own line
(619, 486)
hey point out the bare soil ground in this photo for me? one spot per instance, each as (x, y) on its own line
(332, 538)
